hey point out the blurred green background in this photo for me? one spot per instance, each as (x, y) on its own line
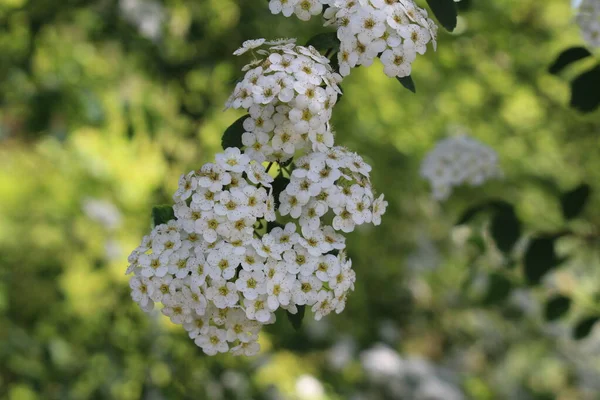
(103, 104)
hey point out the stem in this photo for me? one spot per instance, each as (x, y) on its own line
(269, 166)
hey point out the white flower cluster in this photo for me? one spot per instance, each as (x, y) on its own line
(222, 274)
(459, 160)
(289, 94)
(394, 30)
(588, 19)
(224, 266)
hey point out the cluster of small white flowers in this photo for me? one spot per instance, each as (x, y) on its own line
(336, 180)
(588, 19)
(224, 266)
(289, 93)
(218, 270)
(459, 160)
(394, 30)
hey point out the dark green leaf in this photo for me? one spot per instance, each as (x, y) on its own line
(505, 228)
(279, 185)
(408, 83)
(445, 12)
(464, 5)
(556, 307)
(325, 42)
(585, 95)
(274, 224)
(540, 258)
(499, 289)
(335, 62)
(567, 57)
(296, 319)
(471, 213)
(233, 135)
(584, 327)
(162, 214)
(573, 201)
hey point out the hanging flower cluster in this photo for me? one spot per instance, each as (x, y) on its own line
(225, 265)
(588, 19)
(456, 161)
(394, 30)
(289, 92)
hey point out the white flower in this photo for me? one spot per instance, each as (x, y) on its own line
(241, 328)
(232, 204)
(314, 241)
(267, 247)
(325, 304)
(156, 264)
(213, 342)
(258, 175)
(249, 45)
(257, 309)
(232, 160)
(208, 226)
(222, 262)
(299, 260)
(305, 291)
(213, 177)
(251, 261)
(290, 205)
(141, 290)
(247, 349)
(198, 326)
(397, 61)
(251, 284)
(176, 309)
(459, 160)
(222, 293)
(328, 267)
(279, 290)
(379, 207)
(285, 237)
(307, 8)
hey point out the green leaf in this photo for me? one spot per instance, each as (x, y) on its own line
(556, 307)
(445, 12)
(162, 214)
(505, 228)
(584, 327)
(568, 57)
(540, 258)
(408, 83)
(499, 289)
(296, 319)
(464, 5)
(324, 42)
(279, 185)
(585, 95)
(573, 201)
(274, 224)
(233, 135)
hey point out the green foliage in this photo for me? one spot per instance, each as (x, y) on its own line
(408, 83)
(585, 95)
(540, 258)
(326, 42)
(574, 201)
(162, 214)
(445, 12)
(584, 326)
(557, 307)
(505, 228)
(127, 115)
(296, 319)
(499, 288)
(233, 135)
(568, 57)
